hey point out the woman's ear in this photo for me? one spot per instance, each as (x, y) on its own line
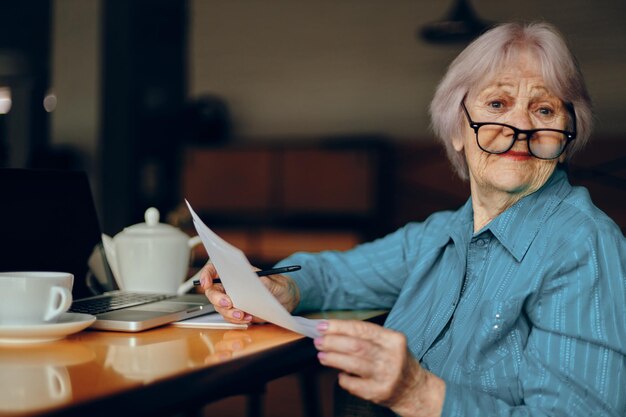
(457, 143)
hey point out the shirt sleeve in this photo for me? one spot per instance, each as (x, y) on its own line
(370, 276)
(574, 362)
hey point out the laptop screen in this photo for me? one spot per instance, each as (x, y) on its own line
(48, 222)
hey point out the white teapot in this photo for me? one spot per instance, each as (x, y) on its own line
(150, 256)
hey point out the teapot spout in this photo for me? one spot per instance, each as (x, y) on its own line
(109, 250)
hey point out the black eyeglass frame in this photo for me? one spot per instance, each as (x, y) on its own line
(570, 136)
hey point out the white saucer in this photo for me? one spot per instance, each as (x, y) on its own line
(68, 323)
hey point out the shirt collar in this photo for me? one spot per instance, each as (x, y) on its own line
(460, 226)
(518, 225)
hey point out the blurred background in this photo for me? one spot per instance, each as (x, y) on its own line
(288, 124)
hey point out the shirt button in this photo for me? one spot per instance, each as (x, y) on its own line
(480, 243)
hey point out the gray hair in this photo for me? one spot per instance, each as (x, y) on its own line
(484, 58)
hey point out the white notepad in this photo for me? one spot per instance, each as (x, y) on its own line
(209, 321)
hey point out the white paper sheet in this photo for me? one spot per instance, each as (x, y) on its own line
(244, 287)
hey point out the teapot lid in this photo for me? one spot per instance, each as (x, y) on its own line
(152, 226)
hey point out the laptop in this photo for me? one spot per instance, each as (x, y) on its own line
(49, 223)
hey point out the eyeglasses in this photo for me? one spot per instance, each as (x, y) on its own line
(542, 143)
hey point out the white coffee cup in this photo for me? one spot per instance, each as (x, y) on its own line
(34, 297)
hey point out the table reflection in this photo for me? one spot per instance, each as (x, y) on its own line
(36, 377)
(147, 362)
(97, 371)
(151, 356)
(224, 345)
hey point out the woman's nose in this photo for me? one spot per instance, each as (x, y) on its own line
(520, 118)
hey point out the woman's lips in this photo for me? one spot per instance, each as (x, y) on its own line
(516, 155)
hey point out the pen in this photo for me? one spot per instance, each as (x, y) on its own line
(265, 272)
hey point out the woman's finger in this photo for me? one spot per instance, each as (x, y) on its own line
(208, 274)
(353, 365)
(346, 344)
(234, 315)
(224, 305)
(217, 296)
(386, 339)
(355, 328)
(356, 386)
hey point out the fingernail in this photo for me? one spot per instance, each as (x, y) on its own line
(247, 317)
(321, 355)
(323, 326)
(318, 342)
(223, 302)
(238, 315)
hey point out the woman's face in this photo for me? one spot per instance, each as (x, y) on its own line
(516, 96)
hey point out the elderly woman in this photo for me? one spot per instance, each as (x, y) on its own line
(514, 304)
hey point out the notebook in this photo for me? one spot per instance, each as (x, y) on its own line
(209, 321)
(49, 223)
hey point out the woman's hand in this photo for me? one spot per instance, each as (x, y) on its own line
(281, 286)
(377, 366)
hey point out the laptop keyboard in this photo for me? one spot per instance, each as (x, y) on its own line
(114, 301)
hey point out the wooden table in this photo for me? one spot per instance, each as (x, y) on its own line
(157, 372)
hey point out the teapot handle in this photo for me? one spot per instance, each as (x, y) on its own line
(187, 285)
(194, 241)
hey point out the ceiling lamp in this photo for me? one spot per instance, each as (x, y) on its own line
(461, 25)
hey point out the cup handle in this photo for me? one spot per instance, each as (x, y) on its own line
(60, 302)
(57, 385)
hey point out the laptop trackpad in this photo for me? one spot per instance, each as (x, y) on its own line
(164, 307)
(129, 315)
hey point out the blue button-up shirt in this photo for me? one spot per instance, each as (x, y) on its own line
(525, 317)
